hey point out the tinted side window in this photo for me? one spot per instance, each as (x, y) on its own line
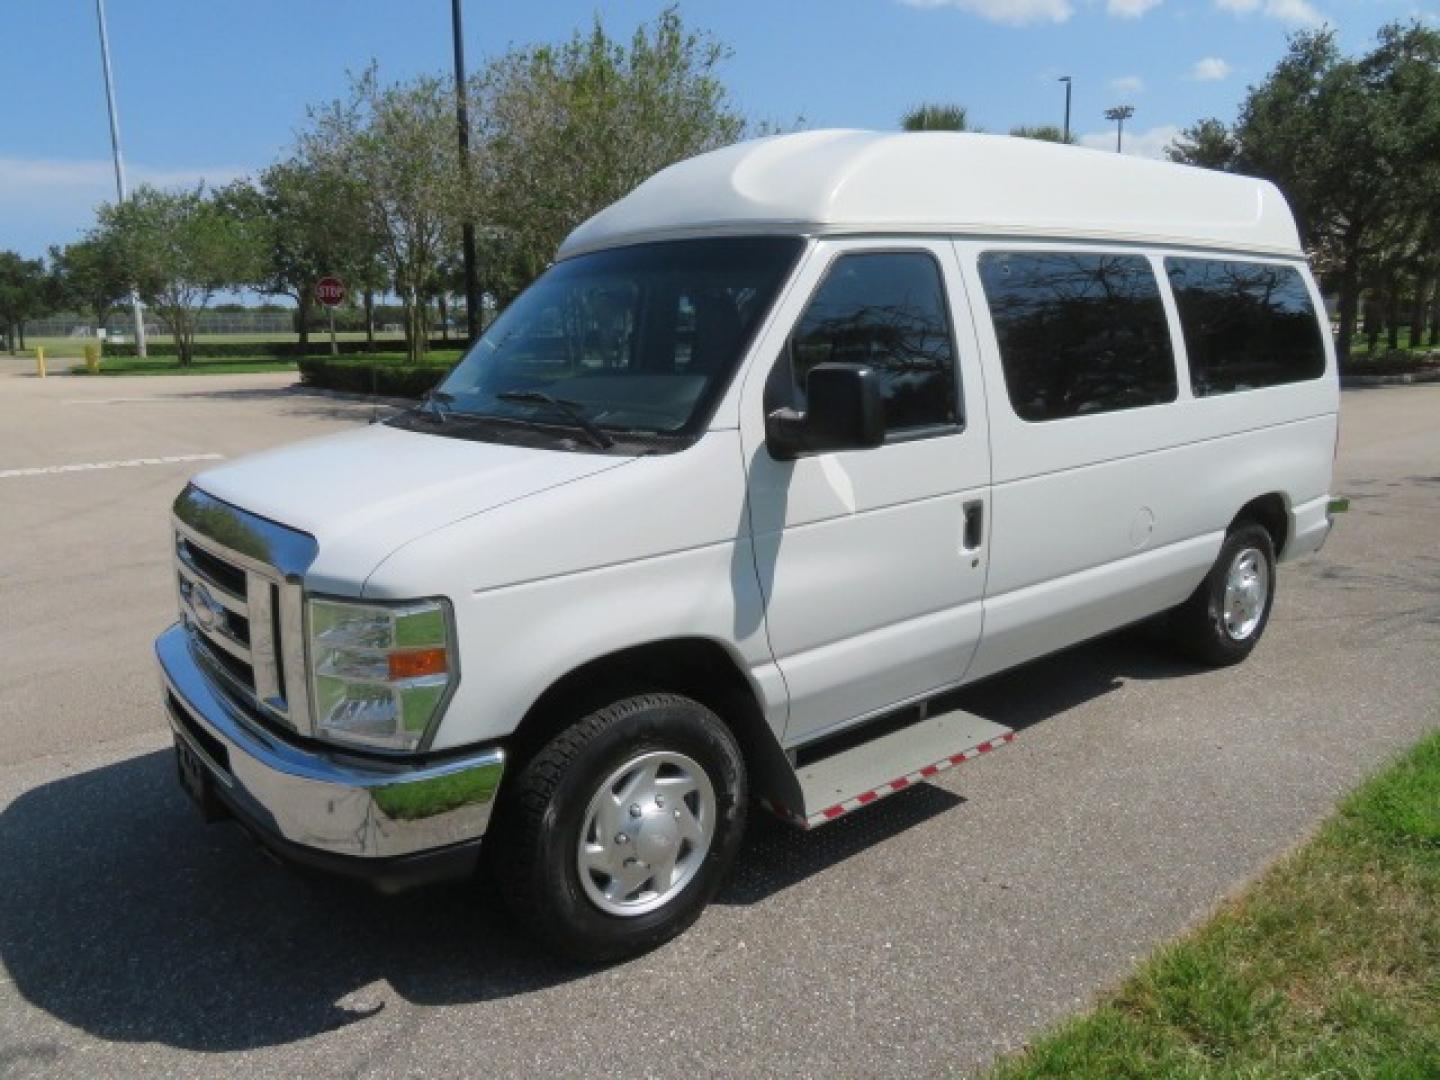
(886, 310)
(1079, 334)
(1246, 325)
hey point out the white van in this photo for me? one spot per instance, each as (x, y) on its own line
(795, 438)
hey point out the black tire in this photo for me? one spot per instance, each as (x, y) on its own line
(537, 834)
(1199, 625)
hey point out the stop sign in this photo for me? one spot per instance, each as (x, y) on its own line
(330, 291)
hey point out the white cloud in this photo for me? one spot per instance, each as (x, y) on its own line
(1210, 69)
(46, 200)
(1010, 12)
(1150, 143)
(1128, 84)
(42, 181)
(1130, 9)
(1295, 12)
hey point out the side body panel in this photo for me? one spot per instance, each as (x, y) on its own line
(1105, 519)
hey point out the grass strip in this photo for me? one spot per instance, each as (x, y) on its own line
(1329, 966)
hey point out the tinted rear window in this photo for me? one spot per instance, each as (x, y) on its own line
(1247, 325)
(1079, 334)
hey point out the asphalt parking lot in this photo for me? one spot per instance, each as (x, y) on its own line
(945, 925)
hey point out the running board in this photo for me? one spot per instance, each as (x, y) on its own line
(863, 774)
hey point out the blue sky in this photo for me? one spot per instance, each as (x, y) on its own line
(215, 89)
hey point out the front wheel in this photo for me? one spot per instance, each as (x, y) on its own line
(1224, 618)
(619, 831)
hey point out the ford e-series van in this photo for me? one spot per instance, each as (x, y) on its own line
(788, 443)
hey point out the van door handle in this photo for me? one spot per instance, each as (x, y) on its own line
(974, 524)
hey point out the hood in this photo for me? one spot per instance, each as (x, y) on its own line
(365, 492)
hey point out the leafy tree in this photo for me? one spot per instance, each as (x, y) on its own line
(566, 130)
(398, 141)
(936, 118)
(23, 295)
(307, 222)
(90, 276)
(180, 247)
(1042, 132)
(1355, 146)
(1210, 144)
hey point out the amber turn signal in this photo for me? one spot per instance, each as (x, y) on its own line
(414, 663)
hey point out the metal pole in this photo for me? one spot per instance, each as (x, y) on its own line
(1120, 113)
(135, 307)
(1066, 79)
(462, 122)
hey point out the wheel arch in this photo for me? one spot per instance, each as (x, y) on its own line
(697, 667)
(1272, 513)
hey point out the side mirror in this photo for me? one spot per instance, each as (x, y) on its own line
(846, 412)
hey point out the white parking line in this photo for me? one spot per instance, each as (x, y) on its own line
(117, 400)
(89, 466)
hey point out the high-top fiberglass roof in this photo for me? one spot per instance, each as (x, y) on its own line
(829, 182)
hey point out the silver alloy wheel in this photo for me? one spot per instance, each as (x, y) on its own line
(646, 833)
(1247, 587)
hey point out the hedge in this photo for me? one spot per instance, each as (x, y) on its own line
(280, 350)
(381, 379)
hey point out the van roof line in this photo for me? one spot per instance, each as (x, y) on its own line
(857, 182)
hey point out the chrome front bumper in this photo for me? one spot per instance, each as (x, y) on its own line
(346, 811)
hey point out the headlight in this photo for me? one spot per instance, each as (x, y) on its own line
(379, 673)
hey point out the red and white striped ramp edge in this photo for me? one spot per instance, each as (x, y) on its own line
(865, 798)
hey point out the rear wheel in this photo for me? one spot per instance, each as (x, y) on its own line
(1224, 618)
(618, 832)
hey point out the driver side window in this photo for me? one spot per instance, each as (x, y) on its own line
(885, 310)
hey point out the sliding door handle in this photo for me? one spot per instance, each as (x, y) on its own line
(974, 524)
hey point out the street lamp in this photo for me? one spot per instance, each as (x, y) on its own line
(1067, 80)
(1120, 113)
(119, 160)
(462, 122)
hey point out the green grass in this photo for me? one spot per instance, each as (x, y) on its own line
(74, 347)
(1361, 345)
(169, 365)
(1328, 967)
(130, 365)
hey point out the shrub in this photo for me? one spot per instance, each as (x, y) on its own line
(361, 376)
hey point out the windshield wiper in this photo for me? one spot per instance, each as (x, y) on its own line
(569, 408)
(437, 404)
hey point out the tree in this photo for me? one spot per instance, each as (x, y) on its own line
(90, 276)
(180, 247)
(23, 295)
(398, 141)
(936, 118)
(307, 222)
(1042, 132)
(1208, 144)
(566, 130)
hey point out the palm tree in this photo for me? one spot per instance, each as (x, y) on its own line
(1043, 132)
(936, 118)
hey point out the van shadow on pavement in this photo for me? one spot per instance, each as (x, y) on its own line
(126, 917)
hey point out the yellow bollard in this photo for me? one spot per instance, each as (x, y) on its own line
(92, 358)
(39, 361)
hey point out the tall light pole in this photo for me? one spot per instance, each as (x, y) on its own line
(119, 159)
(1120, 113)
(462, 121)
(1067, 80)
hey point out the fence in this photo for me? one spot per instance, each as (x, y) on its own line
(207, 323)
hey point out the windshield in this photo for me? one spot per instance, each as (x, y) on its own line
(639, 340)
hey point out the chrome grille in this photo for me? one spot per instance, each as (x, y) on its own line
(244, 613)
